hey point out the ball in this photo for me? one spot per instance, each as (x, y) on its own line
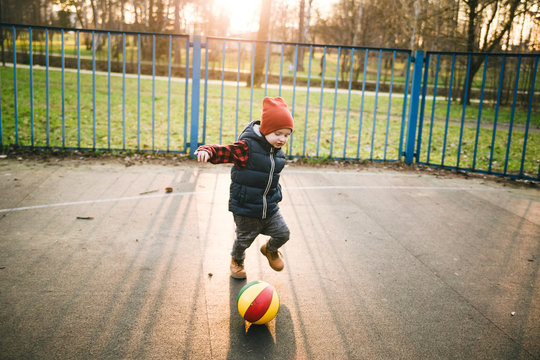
(258, 302)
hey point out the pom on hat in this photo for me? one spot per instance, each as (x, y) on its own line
(275, 115)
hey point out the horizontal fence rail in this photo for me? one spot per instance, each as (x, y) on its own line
(116, 90)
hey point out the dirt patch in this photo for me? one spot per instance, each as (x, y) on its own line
(75, 158)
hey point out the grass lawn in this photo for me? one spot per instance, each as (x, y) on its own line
(357, 127)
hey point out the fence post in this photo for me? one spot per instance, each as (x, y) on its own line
(413, 110)
(195, 93)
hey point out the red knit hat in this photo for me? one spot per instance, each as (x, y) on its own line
(275, 115)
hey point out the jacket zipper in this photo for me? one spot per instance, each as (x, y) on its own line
(270, 176)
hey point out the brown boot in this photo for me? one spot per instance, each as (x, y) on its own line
(237, 269)
(274, 258)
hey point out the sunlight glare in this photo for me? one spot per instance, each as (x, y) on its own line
(243, 14)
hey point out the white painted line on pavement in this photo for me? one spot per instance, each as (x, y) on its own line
(140, 197)
(385, 187)
(325, 187)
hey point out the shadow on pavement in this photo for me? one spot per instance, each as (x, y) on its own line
(274, 340)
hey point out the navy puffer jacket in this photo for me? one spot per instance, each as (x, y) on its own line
(255, 190)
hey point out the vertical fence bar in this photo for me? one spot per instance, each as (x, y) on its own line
(351, 69)
(222, 83)
(153, 91)
(533, 80)
(510, 126)
(499, 91)
(195, 94)
(335, 103)
(169, 94)
(448, 107)
(389, 104)
(422, 107)
(362, 104)
(63, 90)
(465, 100)
(307, 99)
(78, 92)
(237, 89)
(413, 111)
(291, 140)
(479, 112)
(93, 90)
(404, 110)
(281, 68)
(139, 92)
(15, 99)
(206, 56)
(31, 73)
(437, 67)
(186, 91)
(123, 91)
(46, 86)
(375, 105)
(321, 100)
(108, 90)
(266, 71)
(253, 44)
(295, 69)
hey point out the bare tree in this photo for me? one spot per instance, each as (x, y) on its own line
(260, 48)
(482, 14)
(300, 38)
(415, 25)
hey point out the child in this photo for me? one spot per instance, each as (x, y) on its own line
(255, 191)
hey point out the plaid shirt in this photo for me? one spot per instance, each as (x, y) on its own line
(236, 153)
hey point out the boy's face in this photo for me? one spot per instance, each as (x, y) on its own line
(279, 137)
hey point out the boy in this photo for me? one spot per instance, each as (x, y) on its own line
(255, 191)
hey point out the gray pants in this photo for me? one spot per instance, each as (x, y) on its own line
(247, 229)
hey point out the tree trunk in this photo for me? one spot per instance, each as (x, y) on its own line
(300, 57)
(415, 24)
(178, 45)
(472, 40)
(260, 48)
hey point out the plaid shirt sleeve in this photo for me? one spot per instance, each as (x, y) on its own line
(236, 153)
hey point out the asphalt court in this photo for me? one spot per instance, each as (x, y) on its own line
(97, 260)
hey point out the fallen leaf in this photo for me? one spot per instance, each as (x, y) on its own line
(148, 192)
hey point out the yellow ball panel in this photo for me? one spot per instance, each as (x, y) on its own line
(248, 296)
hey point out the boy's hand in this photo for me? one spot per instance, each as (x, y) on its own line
(202, 155)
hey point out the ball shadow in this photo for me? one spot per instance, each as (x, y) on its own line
(274, 340)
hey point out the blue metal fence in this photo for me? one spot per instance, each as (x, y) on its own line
(118, 90)
(335, 100)
(485, 123)
(89, 89)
